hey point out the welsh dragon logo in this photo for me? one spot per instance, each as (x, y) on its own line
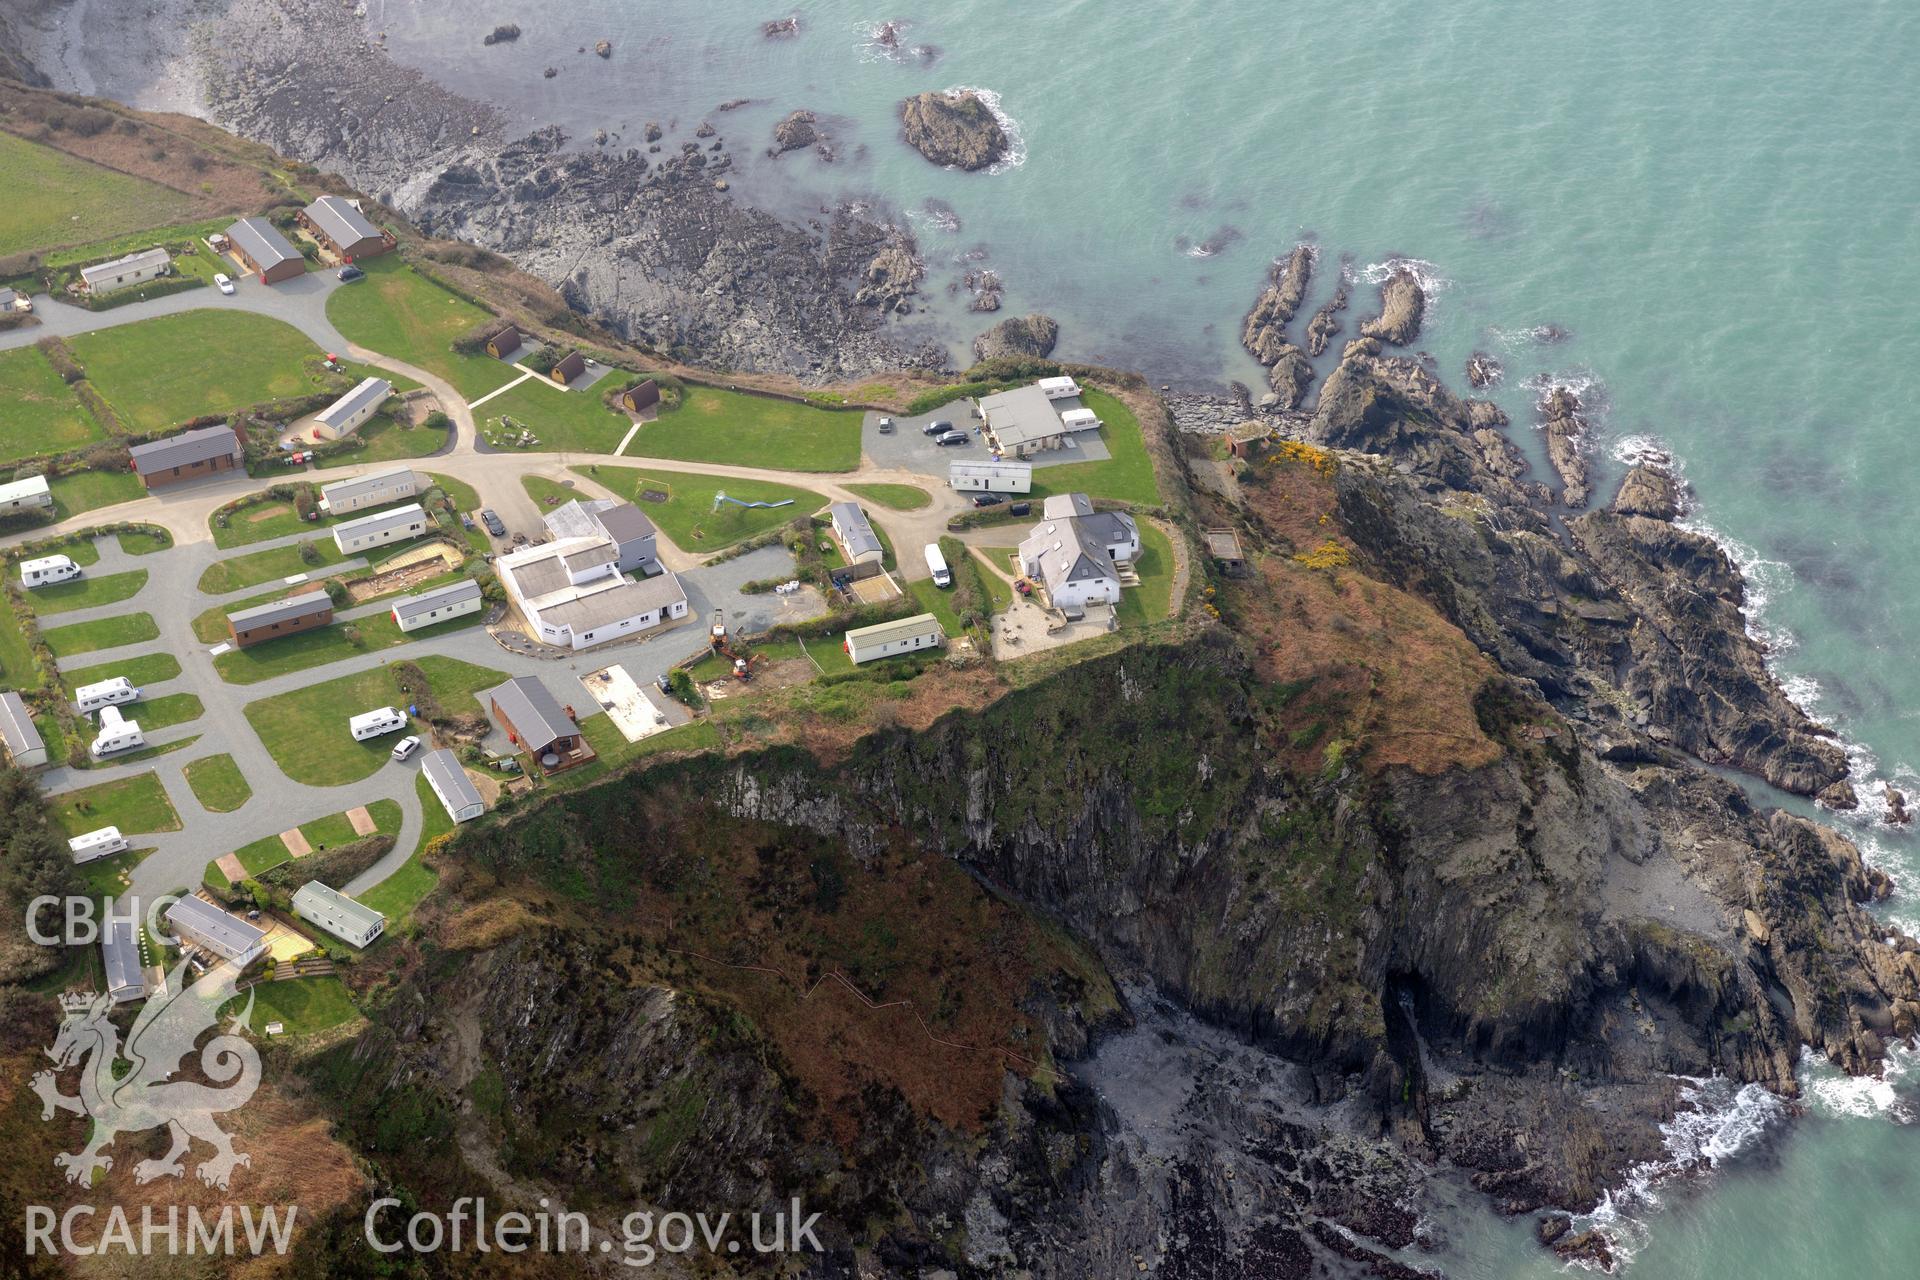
(131, 1090)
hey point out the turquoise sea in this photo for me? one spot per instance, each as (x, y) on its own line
(1718, 201)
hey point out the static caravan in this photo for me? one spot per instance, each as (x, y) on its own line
(48, 570)
(449, 781)
(117, 733)
(1059, 388)
(97, 844)
(991, 477)
(353, 923)
(937, 565)
(24, 745)
(107, 693)
(31, 494)
(886, 639)
(398, 525)
(375, 490)
(199, 923)
(376, 723)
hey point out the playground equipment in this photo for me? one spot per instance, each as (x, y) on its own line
(721, 497)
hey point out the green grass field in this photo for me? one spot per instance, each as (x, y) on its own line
(302, 1006)
(144, 541)
(257, 567)
(82, 491)
(999, 590)
(1127, 476)
(399, 312)
(165, 711)
(402, 891)
(937, 602)
(275, 518)
(305, 730)
(689, 518)
(312, 649)
(136, 805)
(168, 369)
(43, 415)
(1149, 601)
(217, 783)
(55, 199)
(712, 425)
(148, 668)
(101, 633)
(895, 497)
(388, 441)
(564, 421)
(89, 592)
(16, 660)
(613, 750)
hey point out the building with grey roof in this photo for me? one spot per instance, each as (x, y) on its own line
(203, 451)
(1116, 531)
(25, 747)
(375, 490)
(146, 264)
(120, 957)
(339, 224)
(631, 530)
(354, 923)
(266, 253)
(573, 595)
(1027, 420)
(1076, 556)
(900, 635)
(380, 528)
(855, 531)
(454, 600)
(304, 612)
(450, 783)
(201, 924)
(345, 416)
(532, 716)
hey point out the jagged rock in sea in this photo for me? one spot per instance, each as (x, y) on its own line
(654, 132)
(1028, 335)
(781, 28)
(1289, 374)
(1482, 370)
(1402, 303)
(957, 130)
(987, 290)
(1566, 432)
(1263, 332)
(1648, 491)
(505, 33)
(795, 132)
(1326, 321)
(890, 279)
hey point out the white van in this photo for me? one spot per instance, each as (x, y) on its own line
(942, 576)
(48, 570)
(97, 844)
(108, 693)
(372, 724)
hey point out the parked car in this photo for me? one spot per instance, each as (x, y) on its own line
(936, 428)
(988, 500)
(223, 282)
(886, 426)
(952, 437)
(406, 747)
(1020, 509)
(350, 273)
(493, 523)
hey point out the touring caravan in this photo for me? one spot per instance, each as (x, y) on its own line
(97, 844)
(372, 724)
(47, 570)
(117, 733)
(937, 563)
(107, 693)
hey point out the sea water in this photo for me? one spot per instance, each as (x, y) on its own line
(1717, 202)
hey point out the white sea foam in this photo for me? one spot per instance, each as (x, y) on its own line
(1530, 336)
(1424, 273)
(1830, 1091)
(1718, 1120)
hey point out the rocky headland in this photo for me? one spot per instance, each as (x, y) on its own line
(957, 130)
(1402, 305)
(1263, 332)
(1030, 335)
